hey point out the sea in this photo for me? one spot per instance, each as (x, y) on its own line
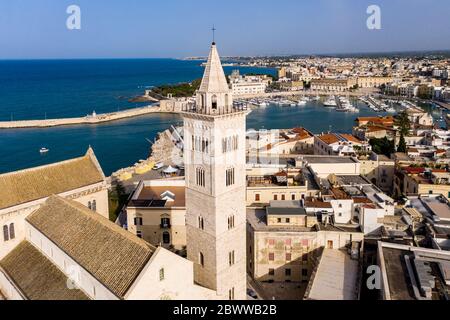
(39, 89)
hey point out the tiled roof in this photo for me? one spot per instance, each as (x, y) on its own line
(328, 138)
(36, 183)
(36, 277)
(114, 256)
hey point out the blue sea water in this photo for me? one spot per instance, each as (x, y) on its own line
(68, 88)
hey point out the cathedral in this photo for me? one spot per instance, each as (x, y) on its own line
(58, 243)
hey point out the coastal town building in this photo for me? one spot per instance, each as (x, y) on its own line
(338, 144)
(22, 192)
(379, 170)
(285, 239)
(280, 141)
(410, 181)
(248, 84)
(156, 212)
(333, 85)
(413, 273)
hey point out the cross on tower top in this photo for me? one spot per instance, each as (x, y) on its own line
(214, 34)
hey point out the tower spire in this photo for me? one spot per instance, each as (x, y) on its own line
(214, 34)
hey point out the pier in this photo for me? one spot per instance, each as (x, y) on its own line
(89, 119)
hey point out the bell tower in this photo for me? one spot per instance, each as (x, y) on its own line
(214, 156)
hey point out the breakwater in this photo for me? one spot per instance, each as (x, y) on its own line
(88, 119)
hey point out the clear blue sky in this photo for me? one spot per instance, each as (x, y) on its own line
(179, 28)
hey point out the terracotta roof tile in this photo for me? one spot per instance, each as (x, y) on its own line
(36, 183)
(36, 277)
(111, 254)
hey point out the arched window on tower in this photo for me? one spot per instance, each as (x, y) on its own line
(89, 205)
(214, 102)
(226, 101)
(201, 259)
(203, 101)
(12, 231)
(5, 233)
(94, 205)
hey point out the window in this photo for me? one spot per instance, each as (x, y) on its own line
(5, 233)
(139, 234)
(231, 294)
(288, 257)
(305, 272)
(94, 205)
(200, 177)
(275, 197)
(12, 232)
(166, 237)
(138, 221)
(161, 274)
(165, 222)
(271, 256)
(230, 222)
(292, 196)
(283, 197)
(271, 272)
(201, 259)
(201, 223)
(257, 197)
(279, 220)
(231, 258)
(89, 205)
(214, 102)
(430, 191)
(287, 272)
(288, 220)
(271, 242)
(229, 177)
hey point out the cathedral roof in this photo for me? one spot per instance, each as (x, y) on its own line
(36, 277)
(40, 182)
(214, 78)
(114, 256)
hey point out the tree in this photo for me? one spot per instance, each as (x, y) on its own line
(382, 146)
(401, 144)
(403, 123)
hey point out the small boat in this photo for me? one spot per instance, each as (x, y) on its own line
(44, 150)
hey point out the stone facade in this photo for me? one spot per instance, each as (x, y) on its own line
(214, 155)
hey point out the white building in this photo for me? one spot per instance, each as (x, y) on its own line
(214, 155)
(244, 85)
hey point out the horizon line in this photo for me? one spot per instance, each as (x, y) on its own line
(380, 53)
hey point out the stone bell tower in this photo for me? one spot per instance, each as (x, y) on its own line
(214, 156)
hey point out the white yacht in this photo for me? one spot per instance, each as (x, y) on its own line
(44, 150)
(331, 103)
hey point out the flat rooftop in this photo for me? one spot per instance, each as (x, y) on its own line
(257, 218)
(397, 273)
(351, 180)
(403, 286)
(336, 277)
(429, 206)
(159, 192)
(330, 159)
